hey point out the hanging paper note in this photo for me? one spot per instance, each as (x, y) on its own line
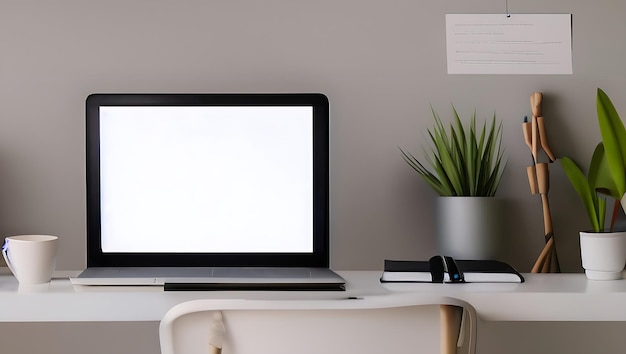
(515, 44)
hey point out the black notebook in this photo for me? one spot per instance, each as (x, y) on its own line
(443, 269)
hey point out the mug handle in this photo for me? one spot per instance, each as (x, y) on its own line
(7, 259)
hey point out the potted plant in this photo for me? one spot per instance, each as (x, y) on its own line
(464, 166)
(603, 251)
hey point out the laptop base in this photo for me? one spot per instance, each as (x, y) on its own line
(217, 278)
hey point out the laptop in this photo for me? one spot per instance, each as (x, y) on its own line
(208, 191)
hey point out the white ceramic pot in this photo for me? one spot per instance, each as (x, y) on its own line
(468, 227)
(603, 254)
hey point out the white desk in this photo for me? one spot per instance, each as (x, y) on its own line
(60, 301)
(543, 297)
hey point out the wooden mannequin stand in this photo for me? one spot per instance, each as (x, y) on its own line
(539, 181)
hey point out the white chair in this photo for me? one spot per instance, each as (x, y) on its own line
(376, 324)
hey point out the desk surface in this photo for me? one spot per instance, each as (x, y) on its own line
(543, 297)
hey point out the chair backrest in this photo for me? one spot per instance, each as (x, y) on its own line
(324, 327)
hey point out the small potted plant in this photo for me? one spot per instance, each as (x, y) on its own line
(603, 251)
(464, 166)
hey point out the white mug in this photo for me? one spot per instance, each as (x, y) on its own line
(31, 258)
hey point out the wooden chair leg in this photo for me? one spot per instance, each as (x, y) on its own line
(450, 327)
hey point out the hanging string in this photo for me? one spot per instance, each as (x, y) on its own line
(507, 8)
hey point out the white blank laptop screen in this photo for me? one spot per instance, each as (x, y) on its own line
(206, 179)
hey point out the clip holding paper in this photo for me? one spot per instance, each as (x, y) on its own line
(454, 273)
(437, 269)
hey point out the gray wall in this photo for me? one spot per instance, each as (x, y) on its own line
(382, 63)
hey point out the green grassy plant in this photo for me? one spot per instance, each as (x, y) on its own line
(462, 160)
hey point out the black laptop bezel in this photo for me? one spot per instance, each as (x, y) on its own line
(320, 255)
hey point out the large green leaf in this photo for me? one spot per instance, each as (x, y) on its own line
(600, 177)
(595, 206)
(614, 139)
